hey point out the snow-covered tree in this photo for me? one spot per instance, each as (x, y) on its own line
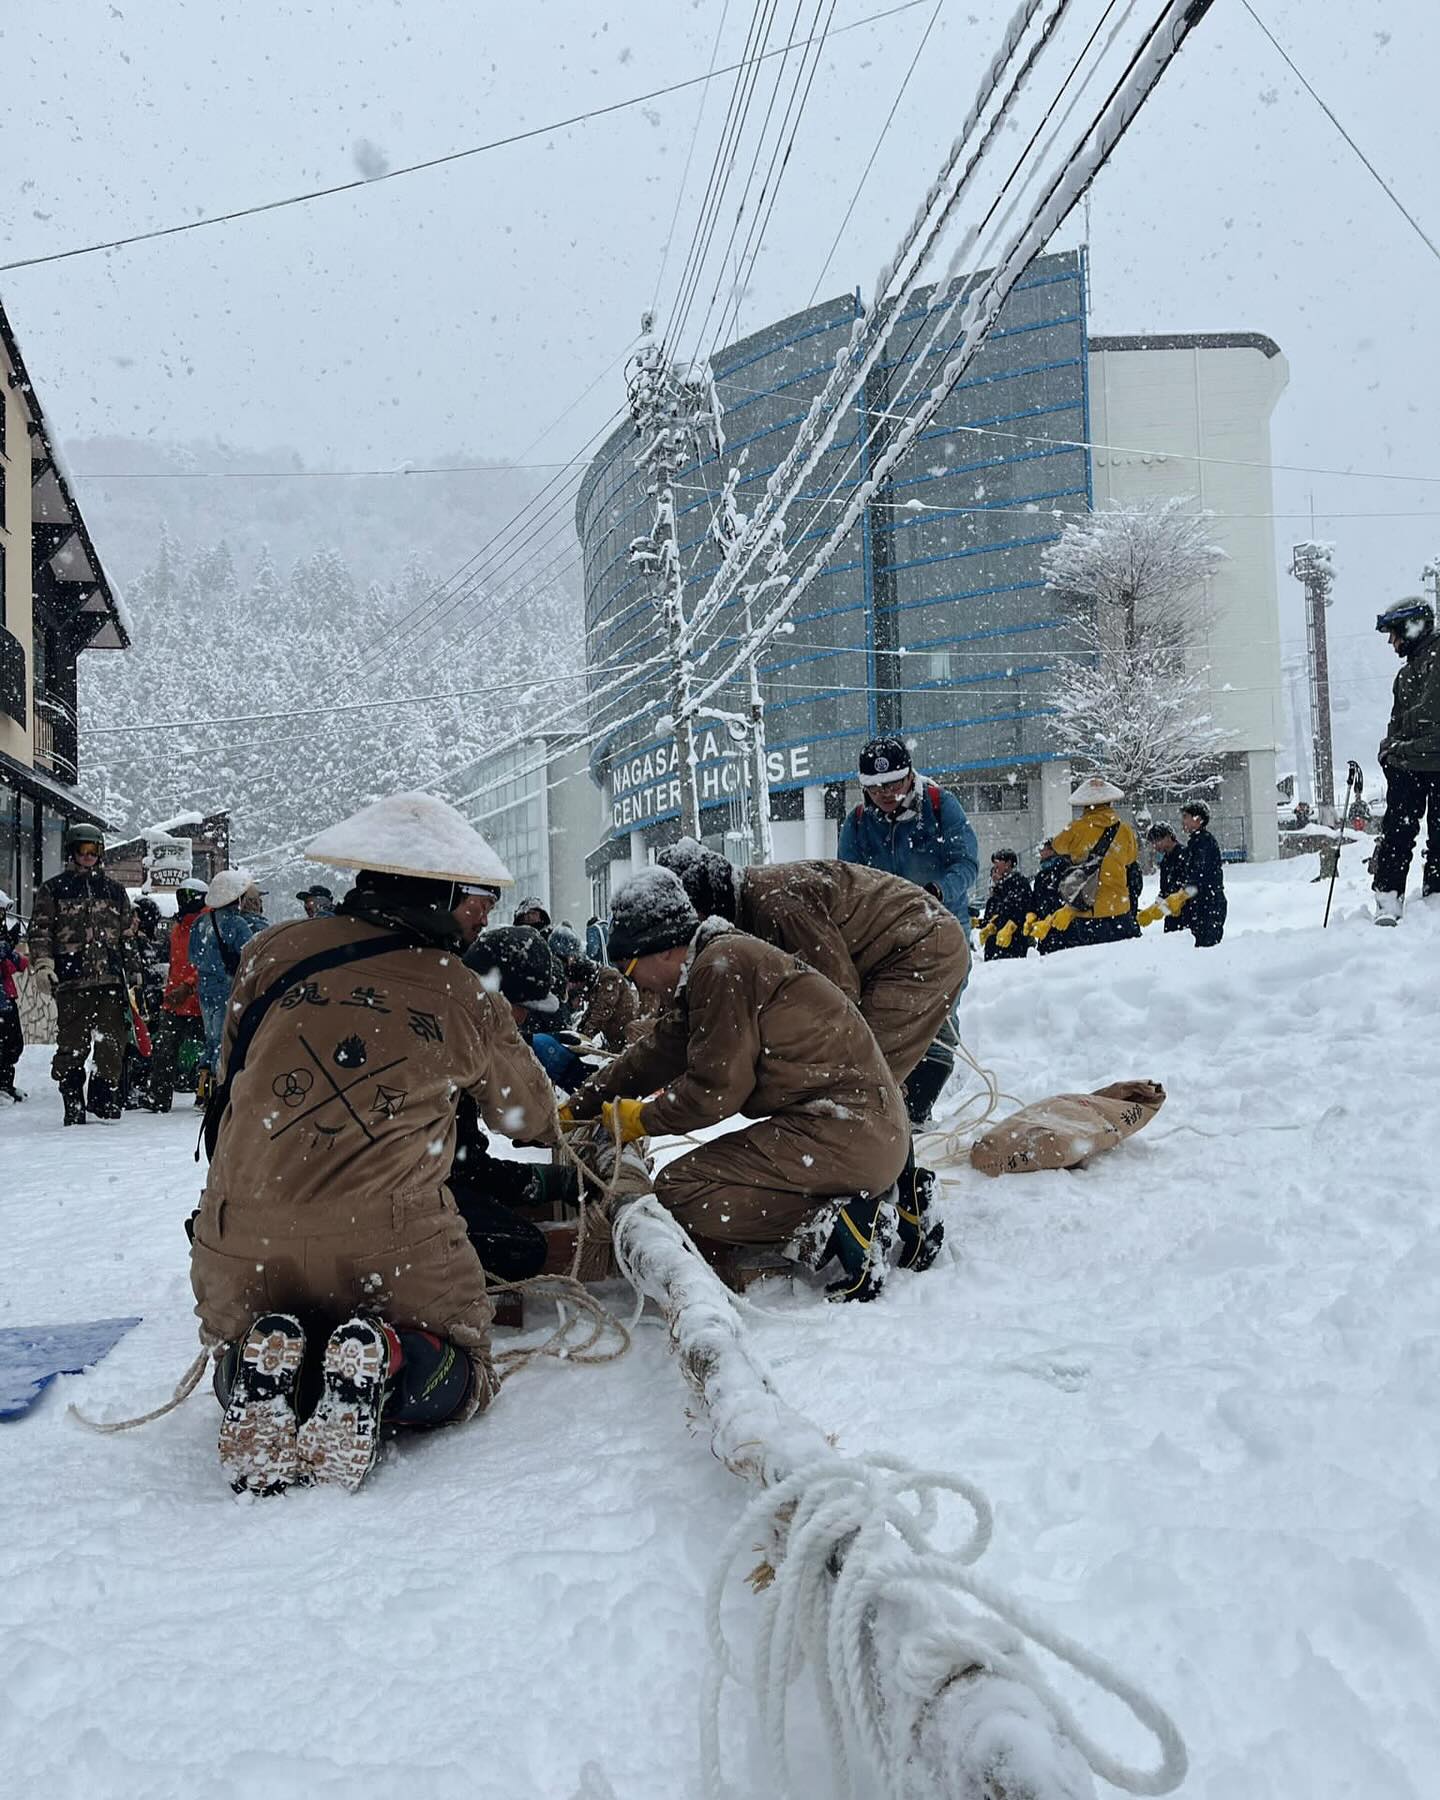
(1132, 700)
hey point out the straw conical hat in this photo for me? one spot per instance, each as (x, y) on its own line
(411, 834)
(1095, 790)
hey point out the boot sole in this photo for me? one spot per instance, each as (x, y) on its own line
(339, 1442)
(258, 1435)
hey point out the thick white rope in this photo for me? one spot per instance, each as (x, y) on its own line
(917, 1692)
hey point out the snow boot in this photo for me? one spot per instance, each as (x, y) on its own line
(812, 1246)
(258, 1443)
(72, 1092)
(1388, 908)
(921, 1234)
(341, 1438)
(102, 1100)
(863, 1238)
(9, 1089)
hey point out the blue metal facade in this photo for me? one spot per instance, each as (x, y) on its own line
(931, 617)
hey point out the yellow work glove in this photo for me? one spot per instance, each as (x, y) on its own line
(987, 932)
(1173, 902)
(566, 1116)
(1005, 936)
(1063, 918)
(625, 1119)
(1029, 926)
(1149, 914)
(1039, 929)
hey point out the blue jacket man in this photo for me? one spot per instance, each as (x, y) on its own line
(910, 827)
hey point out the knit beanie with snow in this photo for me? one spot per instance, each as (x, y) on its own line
(710, 879)
(651, 912)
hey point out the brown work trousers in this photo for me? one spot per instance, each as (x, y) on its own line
(759, 1185)
(86, 1013)
(906, 1000)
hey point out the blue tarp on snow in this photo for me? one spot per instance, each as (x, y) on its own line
(31, 1356)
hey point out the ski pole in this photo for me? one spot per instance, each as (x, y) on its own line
(1352, 780)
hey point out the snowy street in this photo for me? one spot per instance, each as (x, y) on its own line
(1198, 1381)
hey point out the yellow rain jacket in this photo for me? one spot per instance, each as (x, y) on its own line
(1076, 841)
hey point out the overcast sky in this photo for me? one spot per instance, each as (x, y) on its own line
(463, 308)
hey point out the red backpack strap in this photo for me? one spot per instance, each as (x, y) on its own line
(936, 799)
(859, 814)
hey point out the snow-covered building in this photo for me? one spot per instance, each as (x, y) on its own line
(536, 806)
(55, 602)
(1189, 415)
(163, 854)
(934, 619)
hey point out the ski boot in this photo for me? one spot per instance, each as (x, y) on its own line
(103, 1101)
(341, 1439)
(1388, 908)
(72, 1092)
(921, 1233)
(258, 1443)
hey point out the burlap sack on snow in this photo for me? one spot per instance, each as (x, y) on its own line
(1062, 1132)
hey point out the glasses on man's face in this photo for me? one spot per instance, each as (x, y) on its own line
(889, 787)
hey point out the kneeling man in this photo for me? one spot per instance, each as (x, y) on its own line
(751, 1029)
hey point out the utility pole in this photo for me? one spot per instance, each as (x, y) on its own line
(1312, 567)
(670, 407)
(725, 528)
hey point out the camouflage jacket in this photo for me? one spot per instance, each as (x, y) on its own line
(79, 923)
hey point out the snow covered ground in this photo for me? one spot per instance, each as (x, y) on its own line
(1199, 1380)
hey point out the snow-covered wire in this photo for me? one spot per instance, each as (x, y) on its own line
(983, 304)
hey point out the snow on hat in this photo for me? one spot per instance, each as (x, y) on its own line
(651, 912)
(517, 960)
(411, 834)
(532, 903)
(709, 878)
(228, 886)
(882, 760)
(1095, 790)
(192, 884)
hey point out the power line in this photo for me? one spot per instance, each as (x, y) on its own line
(1380, 180)
(433, 162)
(875, 150)
(689, 158)
(500, 468)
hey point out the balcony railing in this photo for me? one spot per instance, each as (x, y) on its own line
(54, 735)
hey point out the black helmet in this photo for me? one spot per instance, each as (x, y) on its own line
(882, 760)
(517, 960)
(1413, 617)
(708, 877)
(147, 911)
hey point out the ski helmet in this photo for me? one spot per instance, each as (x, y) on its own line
(1413, 617)
(883, 760)
(78, 833)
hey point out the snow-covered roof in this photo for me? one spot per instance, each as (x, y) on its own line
(411, 834)
(165, 827)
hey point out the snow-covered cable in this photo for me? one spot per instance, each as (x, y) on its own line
(855, 360)
(983, 304)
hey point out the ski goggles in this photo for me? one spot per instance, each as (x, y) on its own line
(85, 848)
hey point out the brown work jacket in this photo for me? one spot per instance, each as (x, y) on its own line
(327, 1192)
(750, 1030)
(611, 1006)
(842, 918)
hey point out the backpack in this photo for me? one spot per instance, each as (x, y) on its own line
(1079, 886)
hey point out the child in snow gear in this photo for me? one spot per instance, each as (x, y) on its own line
(1010, 903)
(753, 1030)
(890, 947)
(78, 945)
(1204, 911)
(1409, 758)
(347, 1046)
